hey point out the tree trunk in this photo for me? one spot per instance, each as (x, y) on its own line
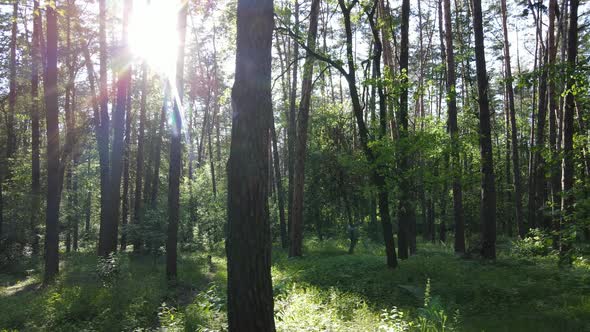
(35, 132)
(552, 95)
(10, 117)
(279, 185)
(488, 188)
(105, 237)
(248, 245)
(292, 123)
(209, 129)
(539, 162)
(176, 153)
(126, 161)
(53, 176)
(139, 175)
(118, 148)
(453, 128)
(296, 230)
(567, 196)
(405, 206)
(155, 181)
(513, 127)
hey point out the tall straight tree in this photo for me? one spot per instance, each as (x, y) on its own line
(279, 185)
(10, 117)
(248, 244)
(488, 187)
(405, 206)
(106, 240)
(513, 128)
(35, 132)
(117, 151)
(567, 180)
(139, 170)
(552, 96)
(453, 129)
(176, 152)
(292, 123)
(53, 151)
(296, 228)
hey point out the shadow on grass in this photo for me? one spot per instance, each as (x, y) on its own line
(507, 295)
(80, 301)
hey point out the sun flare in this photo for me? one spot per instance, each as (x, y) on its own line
(153, 34)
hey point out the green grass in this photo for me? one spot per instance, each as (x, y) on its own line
(326, 290)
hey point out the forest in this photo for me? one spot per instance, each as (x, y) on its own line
(295, 165)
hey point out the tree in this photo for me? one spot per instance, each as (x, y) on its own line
(405, 207)
(53, 150)
(176, 153)
(513, 126)
(488, 188)
(106, 240)
(248, 245)
(10, 117)
(453, 129)
(296, 228)
(137, 205)
(567, 182)
(377, 178)
(292, 123)
(35, 131)
(118, 148)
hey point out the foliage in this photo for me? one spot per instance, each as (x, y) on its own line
(536, 243)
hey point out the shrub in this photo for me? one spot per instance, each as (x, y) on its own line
(536, 243)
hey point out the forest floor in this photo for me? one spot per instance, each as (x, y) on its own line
(326, 290)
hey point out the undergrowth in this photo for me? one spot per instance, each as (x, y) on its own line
(326, 290)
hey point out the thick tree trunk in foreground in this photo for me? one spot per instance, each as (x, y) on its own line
(248, 245)
(451, 98)
(176, 153)
(296, 229)
(488, 188)
(53, 176)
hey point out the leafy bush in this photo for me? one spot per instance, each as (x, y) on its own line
(108, 269)
(206, 313)
(536, 243)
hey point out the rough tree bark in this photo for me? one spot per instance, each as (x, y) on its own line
(453, 129)
(488, 188)
(105, 236)
(248, 244)
(176, 152)
(296, 229)
(292, 122)
(118, 147)
(35, 131)
(513, 127)
(53, 150)
(405, 206)
(567, 180)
